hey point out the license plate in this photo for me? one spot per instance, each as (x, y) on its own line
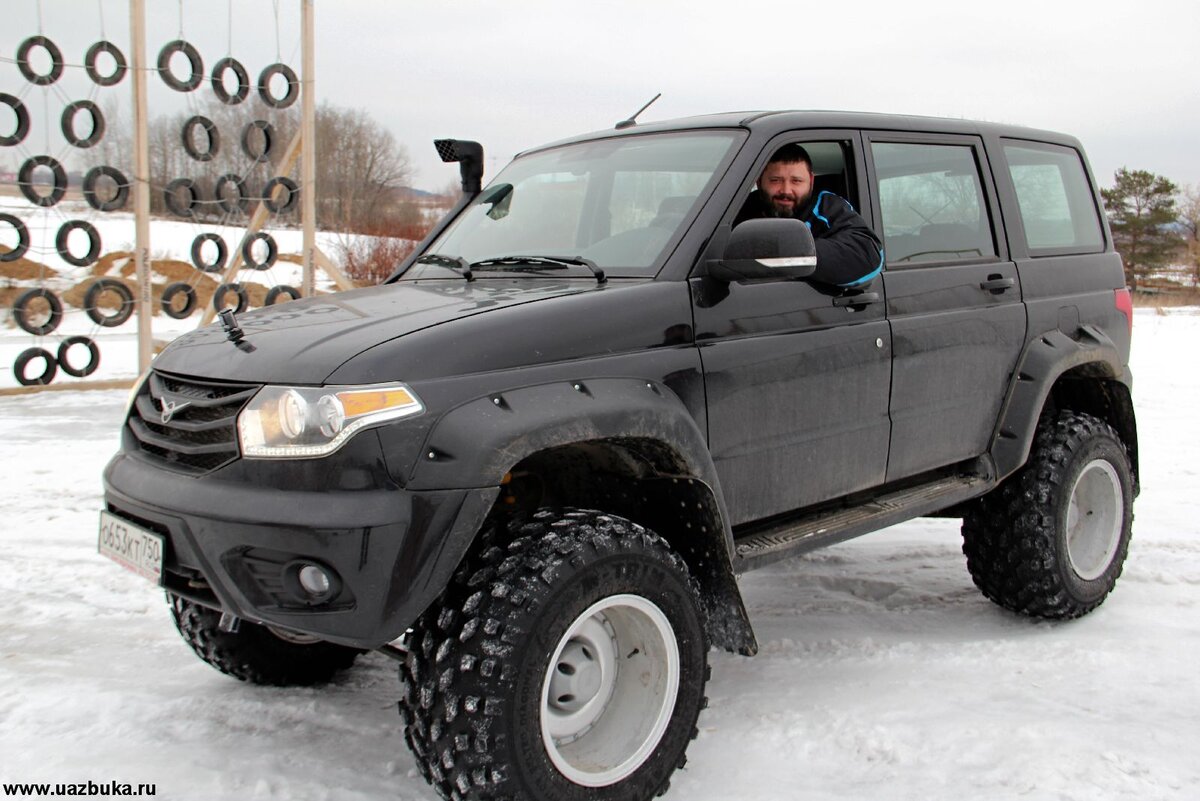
(131, 546)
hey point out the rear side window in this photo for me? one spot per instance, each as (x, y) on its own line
(1057, 207)
(932, 203)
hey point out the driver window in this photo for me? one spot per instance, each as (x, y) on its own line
(832, 172)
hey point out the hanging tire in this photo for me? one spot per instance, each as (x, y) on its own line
(21, 311)
(278, 291)
(62, 242)
(511, 686)
(218, 81)
(91, 302)
(264, 86)
(217, 264)
(117, 201)
(238, 206)
(21, 130)
(68, 123)
(22, 238)
(212, 135)
(195, 64)
(292, 195)
(258, 654)
(89, 63)
(56, 61)
(21, 366)
(248, 251)
(1051, 540)
(25, 180)
(243, 300)
(64, 351)
(171, 197)
(173, 291)
(268, 133)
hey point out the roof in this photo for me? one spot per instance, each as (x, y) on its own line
(773, 122)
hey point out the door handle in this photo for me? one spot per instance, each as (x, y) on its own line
(995, 284)
(851, 301)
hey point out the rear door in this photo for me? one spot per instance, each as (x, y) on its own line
(953, 296)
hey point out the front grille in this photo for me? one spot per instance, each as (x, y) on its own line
(189, 424)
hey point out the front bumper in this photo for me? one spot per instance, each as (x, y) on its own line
(228, 545)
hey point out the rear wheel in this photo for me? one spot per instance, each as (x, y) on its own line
(566, 660)
(258, 654)
(1051, 541)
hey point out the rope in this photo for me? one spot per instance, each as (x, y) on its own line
(278, 48)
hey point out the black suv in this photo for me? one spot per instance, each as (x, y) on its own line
(531, 465)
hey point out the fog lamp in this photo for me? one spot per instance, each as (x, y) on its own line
(314, 580)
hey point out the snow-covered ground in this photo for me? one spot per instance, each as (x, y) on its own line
(883, 674)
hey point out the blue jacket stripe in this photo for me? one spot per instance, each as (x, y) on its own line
(869, 275)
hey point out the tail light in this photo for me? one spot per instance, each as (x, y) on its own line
(1124, 303)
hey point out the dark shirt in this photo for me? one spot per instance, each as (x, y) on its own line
(848, 252)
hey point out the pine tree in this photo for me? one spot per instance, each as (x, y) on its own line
(1189, 218)
(1141, 211)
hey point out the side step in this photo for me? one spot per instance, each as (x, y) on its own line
(796, 536)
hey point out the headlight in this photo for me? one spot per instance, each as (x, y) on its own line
(303, 422)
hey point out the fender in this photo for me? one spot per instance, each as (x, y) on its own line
(1045, 359)
(474, 444)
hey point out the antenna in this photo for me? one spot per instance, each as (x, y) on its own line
(633, 118)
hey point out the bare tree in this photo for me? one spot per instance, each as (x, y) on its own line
(359, 168)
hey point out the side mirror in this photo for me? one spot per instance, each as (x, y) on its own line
(469, 156)
(499, 198)
(770, 248)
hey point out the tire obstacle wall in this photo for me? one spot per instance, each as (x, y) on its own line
(227, 215)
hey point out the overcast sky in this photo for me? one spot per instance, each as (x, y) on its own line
(1124, 78)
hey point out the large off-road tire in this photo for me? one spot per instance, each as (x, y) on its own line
(1051, 540)
(566, 660)
(255, 653)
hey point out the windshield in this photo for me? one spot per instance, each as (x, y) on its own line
(618, 203)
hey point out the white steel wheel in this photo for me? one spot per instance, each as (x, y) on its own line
(1095, 516)
(609, 690)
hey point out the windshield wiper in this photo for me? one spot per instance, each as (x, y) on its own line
(448, 261)
(546, 261)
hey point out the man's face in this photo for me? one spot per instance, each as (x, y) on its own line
(788, 185)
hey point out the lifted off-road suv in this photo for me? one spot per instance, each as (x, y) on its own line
(531, 465)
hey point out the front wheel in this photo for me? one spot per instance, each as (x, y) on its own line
(566, 660)
(1051, 541)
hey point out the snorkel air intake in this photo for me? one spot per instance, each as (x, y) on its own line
(469, 156)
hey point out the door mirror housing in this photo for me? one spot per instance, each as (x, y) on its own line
(781, 249)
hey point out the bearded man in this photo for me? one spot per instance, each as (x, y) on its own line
(849, 254)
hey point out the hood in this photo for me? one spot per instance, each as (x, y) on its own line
(304, 341)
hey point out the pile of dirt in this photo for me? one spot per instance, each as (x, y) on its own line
(104, 265)
(24, 269)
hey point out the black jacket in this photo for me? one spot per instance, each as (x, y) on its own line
(848, 252)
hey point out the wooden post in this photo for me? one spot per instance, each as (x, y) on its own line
(308, 158)
(141, 182)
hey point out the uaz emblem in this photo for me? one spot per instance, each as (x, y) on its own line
(169, 408)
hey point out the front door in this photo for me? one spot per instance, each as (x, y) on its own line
(797, 387)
